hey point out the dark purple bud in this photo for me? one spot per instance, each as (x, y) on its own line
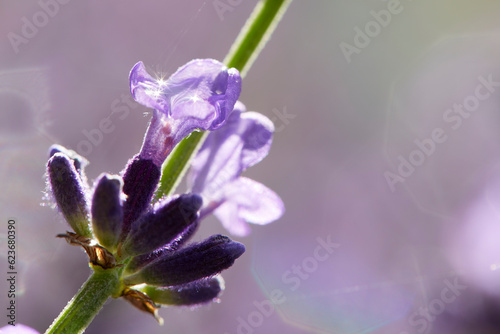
(197, 292)
(156, 229)
(182, 238)
(69, 194)
(140, 179)
(107, 211)
(140, 261)
(188, 264)
(78, 161)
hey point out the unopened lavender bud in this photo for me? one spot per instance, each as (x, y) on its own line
(140, 179)
(156, 229)
(197, 292)
(78, 161)
(68, 191)
(194, 262)
(107, 211)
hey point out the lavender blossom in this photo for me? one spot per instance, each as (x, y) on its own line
(215, 173)
(199, 95)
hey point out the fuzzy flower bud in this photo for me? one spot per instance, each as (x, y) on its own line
(68, 190)
(194, 262)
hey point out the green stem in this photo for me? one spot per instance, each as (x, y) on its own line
(81, 310)
(255, 34)
(247, 46)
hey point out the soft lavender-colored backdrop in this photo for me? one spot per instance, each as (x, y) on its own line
(356, 89)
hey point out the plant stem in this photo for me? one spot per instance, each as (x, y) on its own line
(81, 310)
(255, 34)
(245, 49)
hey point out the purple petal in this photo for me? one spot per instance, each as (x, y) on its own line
(246, 200)
(204, 89)
(143, 86)
(244, 141)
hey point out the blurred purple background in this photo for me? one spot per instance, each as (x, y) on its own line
(388, 146)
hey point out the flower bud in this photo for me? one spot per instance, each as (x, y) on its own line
(188, 264)
(107, 211)
(69, 194)
(197, 292)
(141, 261)
(156, 229)
(78, 161)
(140, 179)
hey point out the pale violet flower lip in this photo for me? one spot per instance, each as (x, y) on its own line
(199, 95)
(215, 172)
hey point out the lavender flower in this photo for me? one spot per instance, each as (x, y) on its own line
(215, 173)
(199, 95)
